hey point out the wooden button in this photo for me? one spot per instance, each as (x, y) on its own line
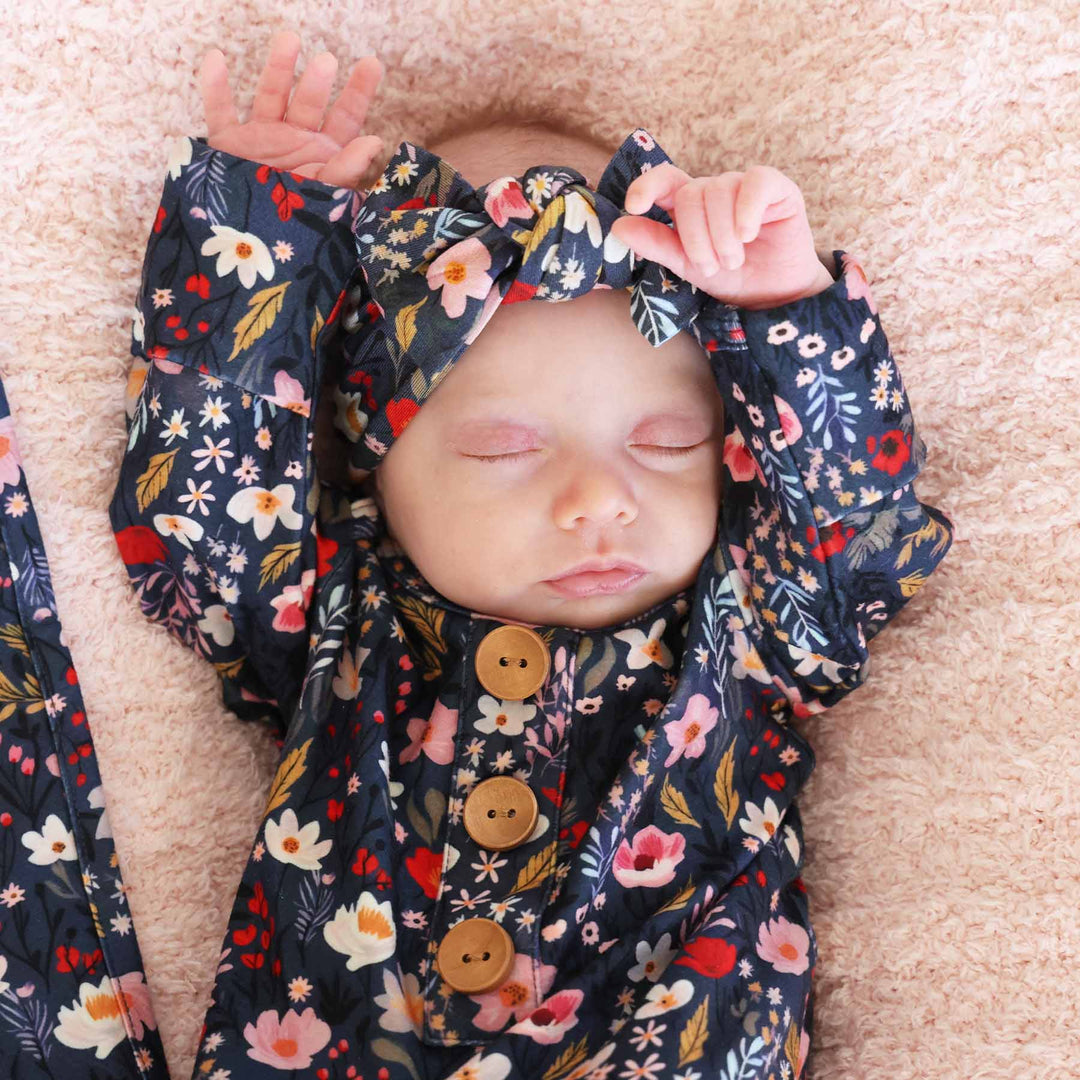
(475, 955)
(501, 812)
(512, 662)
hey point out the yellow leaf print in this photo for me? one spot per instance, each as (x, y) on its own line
(791, 1046)
(289, 771)
(572, 1056)
(692, 1037)
(151, 483)
(932, 529)
(911, 584)
(276, 561)
(405, 323)
(674, 802)
(428, 621)
(553, 212)
(98, 928)
(229, 669)
(10, 693)
(727, 798)
(13, 637)
(680, 899)
(536, 869)
(316, 326)
(265, 307)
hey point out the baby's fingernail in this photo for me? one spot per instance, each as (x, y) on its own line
(710, 267)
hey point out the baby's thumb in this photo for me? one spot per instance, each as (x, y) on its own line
(349, 164)
(650, 240)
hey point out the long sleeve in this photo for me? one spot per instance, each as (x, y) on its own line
(822, 533)
(214, 507)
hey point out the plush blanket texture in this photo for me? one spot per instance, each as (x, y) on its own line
(936, 140)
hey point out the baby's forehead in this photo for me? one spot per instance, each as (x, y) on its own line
(527, 376)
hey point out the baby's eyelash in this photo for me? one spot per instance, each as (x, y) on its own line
(675, 451)
(496, 457)
(667, 451)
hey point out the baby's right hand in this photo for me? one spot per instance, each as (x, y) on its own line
(336, 154)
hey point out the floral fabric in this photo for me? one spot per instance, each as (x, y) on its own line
(74, 1001)
(660, 924)
(439, 257)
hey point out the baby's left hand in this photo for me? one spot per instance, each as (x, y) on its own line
(757, 218)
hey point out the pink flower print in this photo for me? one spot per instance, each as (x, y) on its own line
(288, 1043)
(687, 736)
(650, 860)
(461, 272)
(435, 736)
(506, 200)
(289, 394)
(855, 279)
(740, 460)
(293, 603)
(800, 708)
(555, 1016)
(790, 426)
(139, 1013)
(9, 454)
(491, 305)
(515, 996)
(785, 945)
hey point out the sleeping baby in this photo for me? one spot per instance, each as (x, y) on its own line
(528, 592)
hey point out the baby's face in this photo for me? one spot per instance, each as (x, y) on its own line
(592, 414)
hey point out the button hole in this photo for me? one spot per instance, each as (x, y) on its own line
(523, 662)
(487, 956)
(511, 813)
(491, 813)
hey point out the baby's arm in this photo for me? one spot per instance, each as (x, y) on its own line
(214, 508)
(826, 538)
(245, 268)
(823, 537)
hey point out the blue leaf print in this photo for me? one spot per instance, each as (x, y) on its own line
(651, 310)
(29, 1020)
(819, 401)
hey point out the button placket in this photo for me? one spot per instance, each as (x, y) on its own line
(518, 868)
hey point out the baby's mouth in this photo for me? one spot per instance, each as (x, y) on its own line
(594, 582)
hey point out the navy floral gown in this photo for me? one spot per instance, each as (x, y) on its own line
(659, 924)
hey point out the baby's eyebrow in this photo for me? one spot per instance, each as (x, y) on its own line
(501, 424)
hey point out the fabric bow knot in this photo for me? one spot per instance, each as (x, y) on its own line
(438, 256)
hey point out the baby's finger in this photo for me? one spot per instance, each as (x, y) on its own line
(763, 185)
(348, 115)
(276, 79)
(692, 224)
(217, 97)
(312, 93)
(656, 186)
(720, 198)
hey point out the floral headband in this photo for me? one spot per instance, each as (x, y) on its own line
(438, 257)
